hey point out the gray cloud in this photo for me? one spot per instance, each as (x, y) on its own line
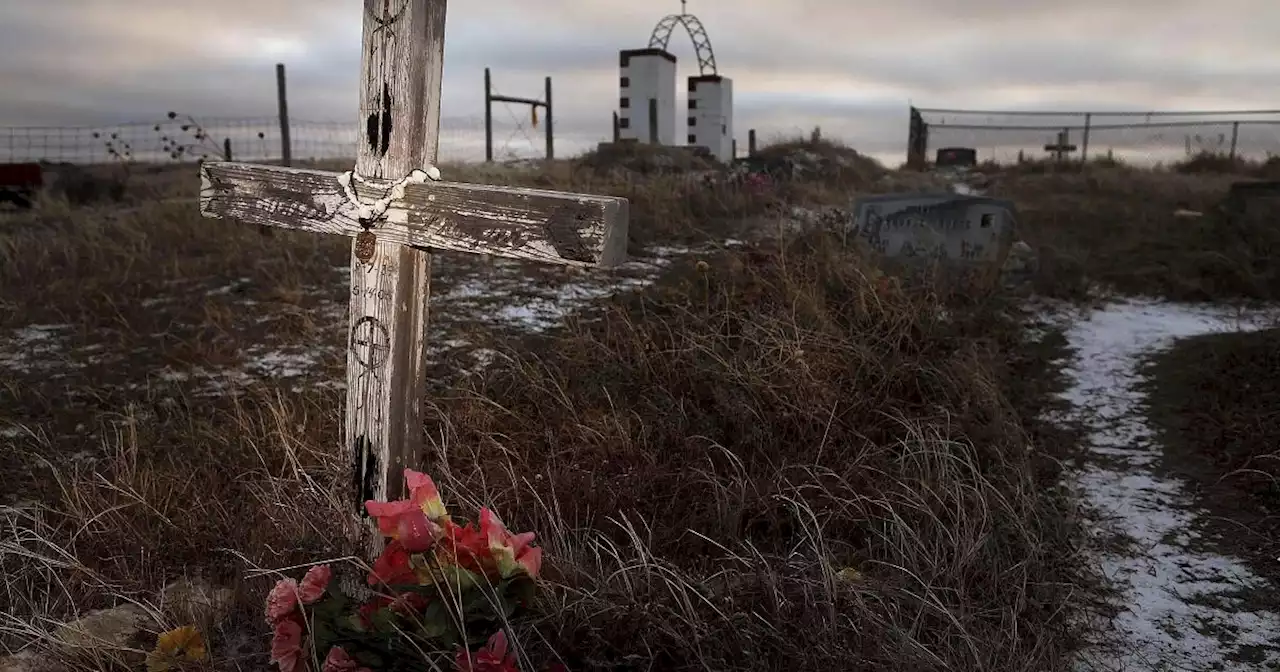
(849, 67)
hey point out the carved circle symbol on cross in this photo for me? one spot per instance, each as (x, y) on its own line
(370, 342)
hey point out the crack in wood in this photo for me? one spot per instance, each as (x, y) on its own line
(365, 473)
(386, 120)
(378, 125)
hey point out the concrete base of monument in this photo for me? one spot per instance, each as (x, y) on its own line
(1178, 603)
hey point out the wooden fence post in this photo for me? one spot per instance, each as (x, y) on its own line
(286, 149)
(488, 117)
(551, 138)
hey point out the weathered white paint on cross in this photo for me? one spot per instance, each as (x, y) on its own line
(401, 214)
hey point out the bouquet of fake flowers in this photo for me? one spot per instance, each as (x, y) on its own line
(441, 589)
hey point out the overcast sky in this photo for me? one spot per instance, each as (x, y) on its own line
(849, 66)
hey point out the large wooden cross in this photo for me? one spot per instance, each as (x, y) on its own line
(397, 212)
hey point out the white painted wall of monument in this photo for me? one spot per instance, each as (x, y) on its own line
(710, 116)
(955, 229)
(648, 76)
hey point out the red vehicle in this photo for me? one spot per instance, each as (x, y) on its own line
(19, 183)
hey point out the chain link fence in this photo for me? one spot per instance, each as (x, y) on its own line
(1140, 138)
(247, 139)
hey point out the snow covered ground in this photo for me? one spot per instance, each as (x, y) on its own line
(1180, 605)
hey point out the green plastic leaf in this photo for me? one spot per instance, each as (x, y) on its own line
(436, 622)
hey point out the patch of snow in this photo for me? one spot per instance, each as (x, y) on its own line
(228, 288)
(35, 348)
(276, 364)
(1176, 612)
(666, 251)
(170, 375)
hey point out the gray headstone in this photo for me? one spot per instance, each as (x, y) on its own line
(973, 233)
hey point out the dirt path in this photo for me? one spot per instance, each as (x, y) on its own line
(1183, 606)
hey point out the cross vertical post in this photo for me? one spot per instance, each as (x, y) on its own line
(397, 210)
(401, 64)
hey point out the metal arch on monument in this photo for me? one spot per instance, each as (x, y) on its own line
(661, 37)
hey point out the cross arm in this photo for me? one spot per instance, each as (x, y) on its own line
(516, 222)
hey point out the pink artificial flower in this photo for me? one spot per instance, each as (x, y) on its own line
(405, 604)
(314, 584)
(416, 522)
(282, 600)
(409, 603)
(494, 656)
(286, 646)
(339, 660)
(392, 567)
(423, 492)
(510, 552)
(467, 547)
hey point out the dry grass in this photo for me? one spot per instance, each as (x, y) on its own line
(1216, 400)
(765, 462)
(1116, 226)
(733, 442)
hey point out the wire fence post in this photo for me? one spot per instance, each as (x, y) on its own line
(490, 98)
(1084, 141)
(286, 151)
(551, 137)
(1235, 136)
(226, 149)
(488, 117)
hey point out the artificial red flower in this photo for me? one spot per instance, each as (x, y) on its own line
(286, 646)
(405, 604)
(469, 548)
(392, 566)
(314, 584)
(369, 608)
(416, 522)
(339, 660)
(282, 600)
(494, 656)
(409, 603)
(415, 531)
(423, 492)
(511, 553)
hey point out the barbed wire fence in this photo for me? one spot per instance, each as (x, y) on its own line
(1142, 138)
(179, 138)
